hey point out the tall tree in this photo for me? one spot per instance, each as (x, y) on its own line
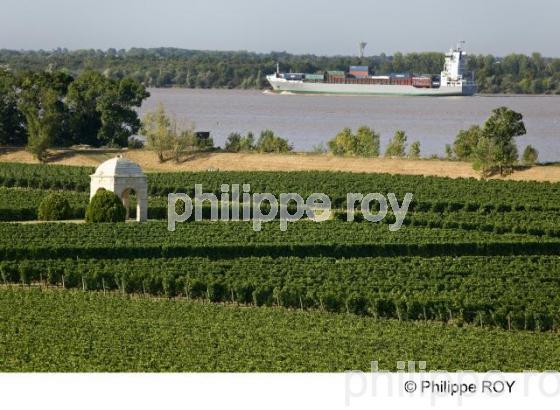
(12, 128)
(43, 123)
(103, 109)
(42, 98)
(501, 128)
(156, 127)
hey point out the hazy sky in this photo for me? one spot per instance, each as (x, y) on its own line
(297, 26)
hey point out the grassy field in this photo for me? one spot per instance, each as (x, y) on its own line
(56, 330)
(285, 162)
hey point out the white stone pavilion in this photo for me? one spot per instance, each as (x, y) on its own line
(122, 176)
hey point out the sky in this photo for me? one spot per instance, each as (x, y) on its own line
(324, 27)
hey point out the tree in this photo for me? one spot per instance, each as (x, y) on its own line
(105, 206)
(42, 124)
(54, 207)
(493, 146)
(156, 127)
(233, 142)
(102, 110)
(466, 142)
(247, 143)
(182, 139)
(367, 142)
(530, 155)
(41, 100)
(119, 119)
(397, 145)
(414, 150)
(165, 136)
(343, 143)
(12, 129)
(501, 128)
(484, 155)
(269, 142)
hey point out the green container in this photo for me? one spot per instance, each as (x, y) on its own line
(336, 73)
(314, 77)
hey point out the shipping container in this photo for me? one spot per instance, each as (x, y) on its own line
(422, 82)
(315, 77)
(336, 73)
(293, 76)
(359, 68)
(359, 74)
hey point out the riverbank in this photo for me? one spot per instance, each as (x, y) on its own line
(225, 161)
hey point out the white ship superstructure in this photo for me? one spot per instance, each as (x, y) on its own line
(453, 80)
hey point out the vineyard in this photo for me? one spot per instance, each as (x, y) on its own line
(56, 331)
(474, 260)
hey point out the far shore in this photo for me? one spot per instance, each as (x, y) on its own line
(225, 161)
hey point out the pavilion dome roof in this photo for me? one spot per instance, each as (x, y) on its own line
(118, 167)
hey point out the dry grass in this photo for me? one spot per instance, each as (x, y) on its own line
(283, 162)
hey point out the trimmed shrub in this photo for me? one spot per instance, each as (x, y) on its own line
(54, 207)
(105, 206)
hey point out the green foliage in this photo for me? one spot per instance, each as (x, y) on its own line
(55, 109)
(239, 143)
(43, 123)
(501, 128)
(103, 110)
(493, 146)
(365, 143)
(12, 131)
(269, 142)
(105, 206)
(530, 155)
(54, 207)
(167, 139)
(165, 67)
(203, 337)
(465, 143)
(233, 142)
(156, 127)
(414, 150)
(427, 189)
(42, 101)
(397, 145)
(343, 143)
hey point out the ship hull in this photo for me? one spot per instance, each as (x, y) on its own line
(303, 87)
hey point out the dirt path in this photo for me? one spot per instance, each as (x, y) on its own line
(286, 162)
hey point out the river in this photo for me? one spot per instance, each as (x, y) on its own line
(308, 120)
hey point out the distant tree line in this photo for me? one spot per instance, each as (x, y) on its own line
(43, 109)
(167, 67)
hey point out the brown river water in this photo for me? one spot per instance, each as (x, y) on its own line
(308, 120)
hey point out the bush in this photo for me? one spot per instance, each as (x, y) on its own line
(530, 155)
(397, 145)
(414, 150)
(105, 206)
(238, 143)
(365, 143)
(269, 142)
(54, 207)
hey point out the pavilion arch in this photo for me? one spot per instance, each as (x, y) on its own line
(122, 176)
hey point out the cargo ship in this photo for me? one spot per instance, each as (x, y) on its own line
(453, 80)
